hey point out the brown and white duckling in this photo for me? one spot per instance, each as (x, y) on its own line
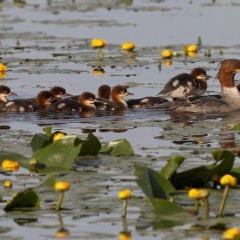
(184, 85)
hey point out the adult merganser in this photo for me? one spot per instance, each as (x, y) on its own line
(230, 95)
(145, 102)
(4, 93)
(85, 103)
(43, 99)
(184, 85)
(117, 94)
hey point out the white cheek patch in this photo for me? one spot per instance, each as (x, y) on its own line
(175, 83)
(189, 83)
(21, 109)
(9, 104)
(61, 105)
(144, 100)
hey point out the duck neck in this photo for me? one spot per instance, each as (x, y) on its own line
(119, 103)
(231, 96)
(3, 98)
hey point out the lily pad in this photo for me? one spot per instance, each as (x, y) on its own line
(25, 199)
(153, 183)
(91, 146)
(60, 154)
(172, 165)
(12, 156)
(120, 147)
(164, 207)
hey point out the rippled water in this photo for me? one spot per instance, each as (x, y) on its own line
(47, 43)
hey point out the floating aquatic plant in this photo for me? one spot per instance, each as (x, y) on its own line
(124, 195)
(128, 46)
(99, 44)
(227, 181)
(61, 187)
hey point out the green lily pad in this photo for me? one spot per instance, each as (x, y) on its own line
(60, 154)
(153, 183)
(120, 147)
(48, 181)
(172, 165)
(12, 156)
(48, 131)
(39, 140)
(25, 199)
(195, 177)
(225, 166)
(164, 207)
(91, 146)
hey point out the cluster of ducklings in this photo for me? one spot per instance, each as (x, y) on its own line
(179, 88)
(56, 99)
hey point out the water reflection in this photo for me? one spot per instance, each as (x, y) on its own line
(125, 234)
(62, 232)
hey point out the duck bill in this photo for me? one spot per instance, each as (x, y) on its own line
(14, 94)
(128, 94)
(68, 94)
(208, 76)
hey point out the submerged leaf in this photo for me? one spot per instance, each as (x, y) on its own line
(152, 183)
(25, 199)
(120, 147)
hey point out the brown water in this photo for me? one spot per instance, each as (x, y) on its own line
(47, 43)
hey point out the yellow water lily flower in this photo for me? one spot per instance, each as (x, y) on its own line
(8, 184)
(196, 193)
(228, 180)
(231, 233)
(58, 136)
(128, 46)
(167, 53)
(98, 43)
(62, 186)
(125, 194)
(8, 164)
(3, 68)
(192, 48)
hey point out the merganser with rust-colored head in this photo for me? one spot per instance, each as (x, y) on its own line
(184, 85)
(230, 95)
